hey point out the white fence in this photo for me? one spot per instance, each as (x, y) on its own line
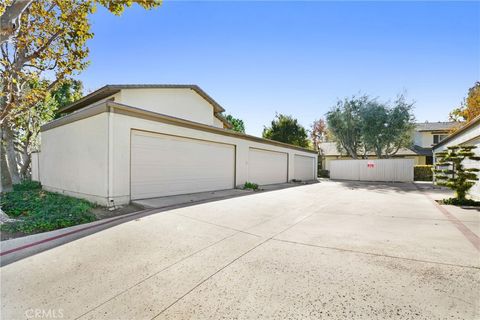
(35, 166)
(388, 170)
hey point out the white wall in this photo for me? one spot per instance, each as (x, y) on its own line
(423, 139)
(73, 159)
(120, 153)
(471, 136)
(34, 164)
(177, 102)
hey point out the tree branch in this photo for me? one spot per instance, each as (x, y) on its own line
(10, 19)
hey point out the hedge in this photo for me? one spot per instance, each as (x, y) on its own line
(422, 173)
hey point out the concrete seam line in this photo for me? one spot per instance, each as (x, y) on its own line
(217, 225)
(154, 274)
(230, 263)
(467, 233)
(374, 254)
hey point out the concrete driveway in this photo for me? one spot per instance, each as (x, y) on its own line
(332, 250)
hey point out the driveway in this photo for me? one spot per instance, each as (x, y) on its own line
(333, 250)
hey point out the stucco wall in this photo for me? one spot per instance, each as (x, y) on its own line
(73, 159)
(180, 103)
(471, 136)
(423, 139)
(121, 126)
(217, 122)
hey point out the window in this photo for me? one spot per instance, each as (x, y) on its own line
(438, 137)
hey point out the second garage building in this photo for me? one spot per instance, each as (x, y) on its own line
(129, 142)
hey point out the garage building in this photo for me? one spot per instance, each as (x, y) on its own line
(129, 142)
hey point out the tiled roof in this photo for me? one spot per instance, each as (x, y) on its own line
(330, 149)
(436, 126)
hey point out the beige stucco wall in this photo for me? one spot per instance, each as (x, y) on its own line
(423, 139)
(177, 102)
(471, 136)
(73, 159)
(121, 126)
(217, 122)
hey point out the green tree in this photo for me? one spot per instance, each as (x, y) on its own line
(237, 124)
(286, 129)
(451, 172)
(46, 39)
(345, 124)
(362, 125)
(385, 129)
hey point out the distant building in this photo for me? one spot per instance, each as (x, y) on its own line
(426, 135)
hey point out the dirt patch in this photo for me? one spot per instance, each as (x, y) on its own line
(104, 213)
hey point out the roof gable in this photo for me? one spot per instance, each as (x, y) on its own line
(109, 90)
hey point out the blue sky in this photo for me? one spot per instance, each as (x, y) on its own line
(298, 58)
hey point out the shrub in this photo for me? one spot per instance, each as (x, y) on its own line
(39, 211)
(462, 202)
(322, 173)
(250, 185)
(451, 172)
(27, 185)
(423, 173)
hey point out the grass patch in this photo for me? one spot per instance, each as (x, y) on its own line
(457, 202)
(39, 211)
(250, 185)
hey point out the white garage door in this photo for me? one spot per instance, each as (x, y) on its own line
(163, 165)
(304, 168)
(267, 167)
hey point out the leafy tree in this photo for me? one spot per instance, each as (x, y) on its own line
(345, 123)
(360, 125)
(384, 129)
(318, 133)
(470, 107)
(46, 39)
(456, 176)
(237, 124)
(286, 129)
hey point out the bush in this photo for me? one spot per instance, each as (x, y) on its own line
(250, 185)
(27, 185)
(322, 173)
(422, 173)
(461, 202)
(39, 211)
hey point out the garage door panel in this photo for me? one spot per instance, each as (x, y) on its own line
(165, 165)
(267, 167)
(304, 168)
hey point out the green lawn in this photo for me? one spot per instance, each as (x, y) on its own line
(39, 211)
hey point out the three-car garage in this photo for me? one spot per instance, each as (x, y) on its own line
(121, 153)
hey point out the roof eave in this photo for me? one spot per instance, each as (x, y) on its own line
(456, 133)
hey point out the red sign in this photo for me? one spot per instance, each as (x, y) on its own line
(370, 165)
